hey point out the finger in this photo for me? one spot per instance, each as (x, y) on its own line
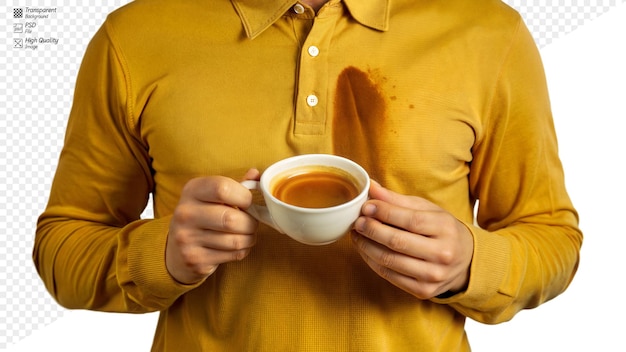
(384, 257)
(381, 193)
(200, 262)
(424, 222)
(227, 242)
(252, 174)
(218, 189)
(418, 277)
(396, 239)
(214, 217)
(188, 261)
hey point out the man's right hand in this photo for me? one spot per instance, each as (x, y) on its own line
(208, 228)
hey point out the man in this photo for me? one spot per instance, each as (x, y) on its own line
(445, 105)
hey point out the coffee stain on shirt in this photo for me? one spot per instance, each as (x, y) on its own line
(360, 112)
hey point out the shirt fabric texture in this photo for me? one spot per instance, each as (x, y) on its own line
(445, 100)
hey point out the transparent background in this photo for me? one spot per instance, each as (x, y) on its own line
(36, 87)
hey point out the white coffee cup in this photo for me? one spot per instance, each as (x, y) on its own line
(310, 225)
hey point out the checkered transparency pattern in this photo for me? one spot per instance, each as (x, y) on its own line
(36, 88)
(548, 20)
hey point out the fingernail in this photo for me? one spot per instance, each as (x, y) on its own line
(359, 225)
(369, 209)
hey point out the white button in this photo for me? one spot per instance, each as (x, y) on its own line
(314, 51)
(298, 8)
(312, 100)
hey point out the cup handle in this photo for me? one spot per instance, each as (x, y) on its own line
(259, 212)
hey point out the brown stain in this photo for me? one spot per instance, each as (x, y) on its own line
(359, 120)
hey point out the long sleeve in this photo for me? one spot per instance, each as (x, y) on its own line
(91, 249)
(527, 245)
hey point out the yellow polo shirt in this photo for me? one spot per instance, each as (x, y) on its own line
(440, 99)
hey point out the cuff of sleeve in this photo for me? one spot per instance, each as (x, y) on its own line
(489, 268)
(146, 264)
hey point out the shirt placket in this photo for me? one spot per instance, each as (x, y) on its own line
(312, 79)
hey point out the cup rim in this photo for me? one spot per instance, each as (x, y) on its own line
(363, 193)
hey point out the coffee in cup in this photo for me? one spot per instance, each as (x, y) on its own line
(315, 187)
